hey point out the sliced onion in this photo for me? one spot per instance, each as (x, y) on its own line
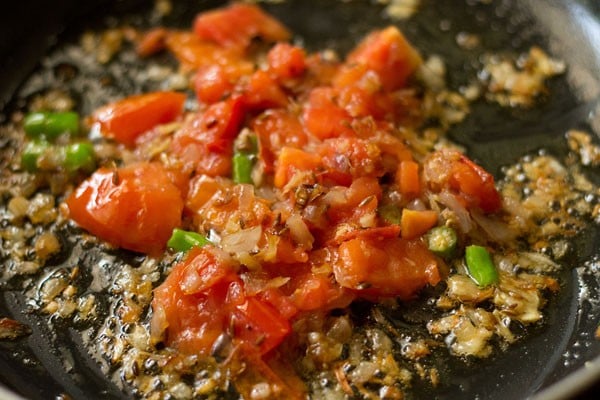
(299, 231)
(245, 240)
(158, 324)
(498, 231)
(336, 196)
(462, 215)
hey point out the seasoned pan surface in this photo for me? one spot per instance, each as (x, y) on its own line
(53, 360)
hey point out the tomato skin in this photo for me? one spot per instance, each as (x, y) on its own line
(416, 223)
(135, 207)
(380, 232)
(152, 42)
(263, 92)
(283, 304)
(126, 119)
(384, 267)
(194, 53)
(408, 178)
(202, 271)
(275, 129)
(193, 321)
(451, 170)
(260, 324)
(350, 208)
(348, 158)
(203, 297)
(387, 53)
(205, 142)
(201, 189)
(212, 84)
(286, 61)
(323, 117)
(290, 161)
(476, 183)
(318, 292)
(236, 25)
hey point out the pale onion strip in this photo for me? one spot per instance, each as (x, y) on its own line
(299, 231)
(245, 240)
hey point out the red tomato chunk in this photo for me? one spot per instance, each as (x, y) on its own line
(202, 297)
(135, 207)
(126, 119)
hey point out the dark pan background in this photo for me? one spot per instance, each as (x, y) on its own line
(49, 363)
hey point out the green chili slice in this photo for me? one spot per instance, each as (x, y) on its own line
(184, 240)
(80, 156)
(242, 167)
(480, 266)
(51, 124)
(244, 158)
(442, 241)
(31, 153)
(390, 213)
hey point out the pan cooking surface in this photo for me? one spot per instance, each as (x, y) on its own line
(54, 361)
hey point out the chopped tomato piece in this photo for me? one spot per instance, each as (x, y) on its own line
(321, 70)
(259, 324)
(275, 129)
(126, 119)
(380, 232)
(347, 158)
(236, 25)
(358, 102)
(408, 178)
(201, 189)
(476, 183)
(282, 303)
(193, 53)
(286, 61)
(289, 252)
(387, 53)
(357, 200)
(202, 297)
(190, 322)
(415, 223)
(152, 42)
(385, 267)
(323, 117)
(319, 292)
(135, 207)
(290, 161)
(212, 84)
(221, 122)
(202, 271)
(454, 171)
(264, 92)
(205, 142)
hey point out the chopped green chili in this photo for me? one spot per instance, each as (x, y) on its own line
(80, 156)
(244, 158)
(31, 153)
(50, 125)
(184, 240)
(480, 266)
(242, 167)
(390, 213)
(442, 241)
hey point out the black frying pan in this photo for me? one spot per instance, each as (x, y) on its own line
(550, 362)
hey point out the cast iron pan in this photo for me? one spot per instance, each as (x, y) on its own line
(558, 360)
